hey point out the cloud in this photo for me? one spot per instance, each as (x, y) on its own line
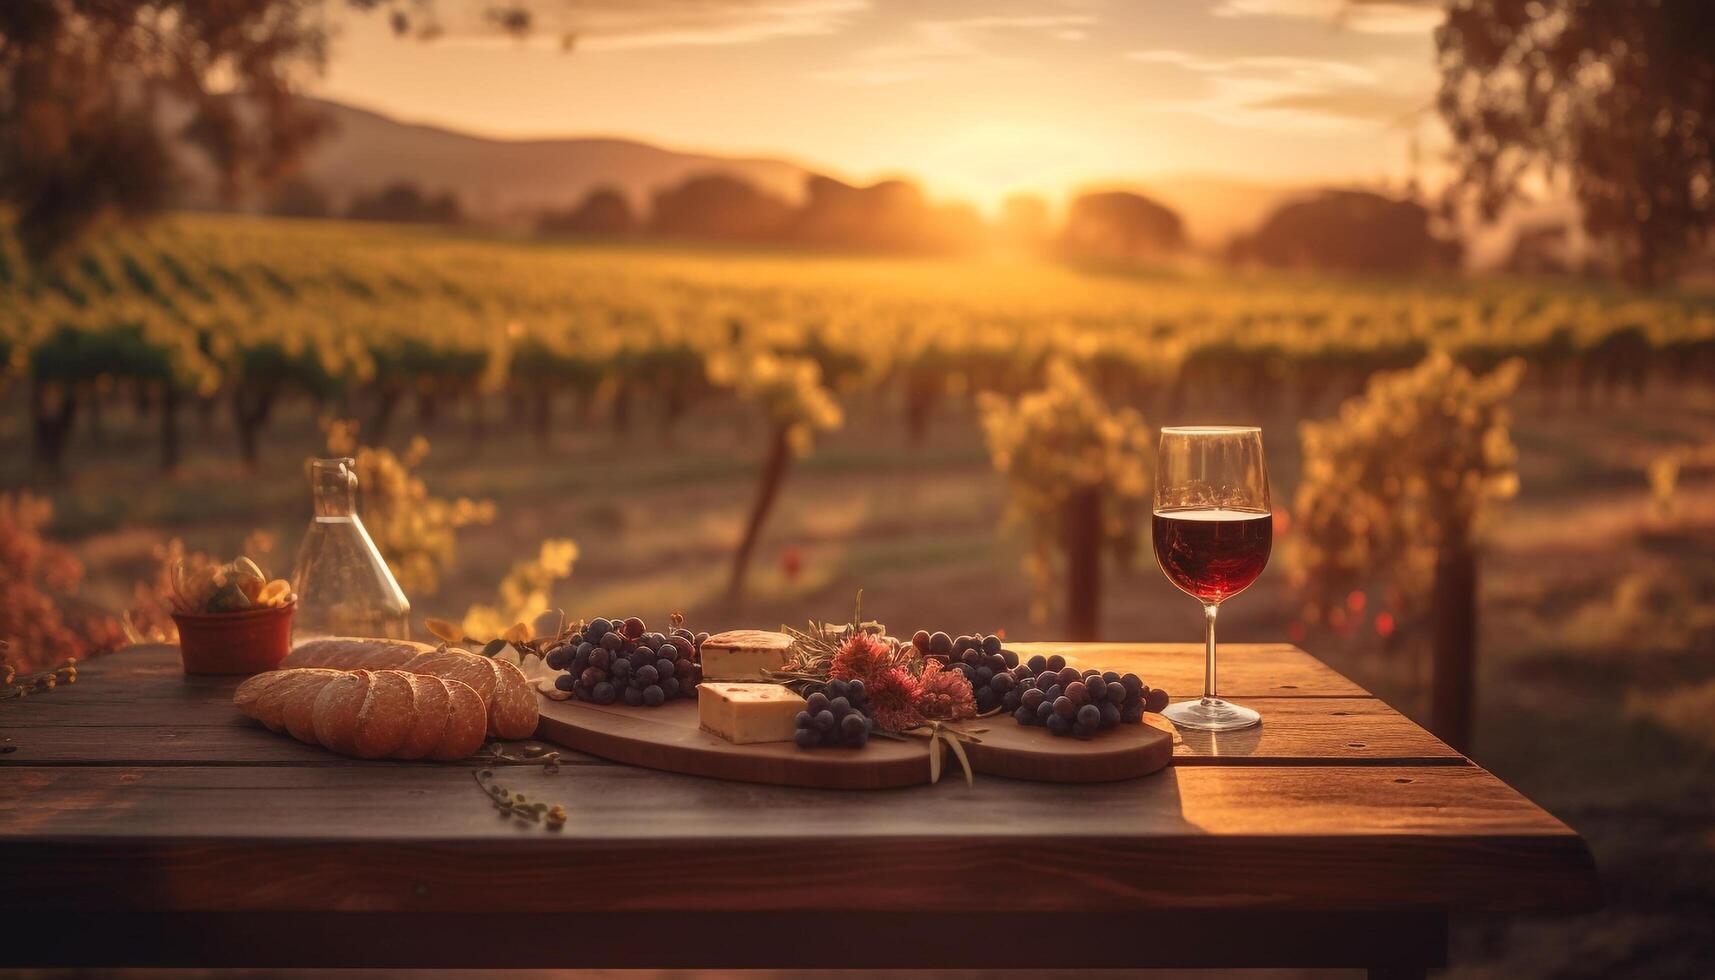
(629, 25)
(1364, 16)
(932, 46)
(1291, 92)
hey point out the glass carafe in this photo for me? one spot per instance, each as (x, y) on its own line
(344, 586)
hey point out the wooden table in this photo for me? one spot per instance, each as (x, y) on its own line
(143, 822)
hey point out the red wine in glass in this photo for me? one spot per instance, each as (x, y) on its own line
(1212, 553)
(1213, 528)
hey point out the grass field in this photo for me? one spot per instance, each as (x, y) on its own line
(1598, 612)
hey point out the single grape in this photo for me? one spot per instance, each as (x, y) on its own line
(855, 691)
(633, 628)
(1118, 694)
(600, 659)
(940, 643)
(1078, 692)
(1001, 683)
(653, 695)
(565, 682)
(1056, 663)
(807, 738)
(664, 667)
(801, 719)
(824, 721)
(1031, 698)
(838, 689)
(1156, 700)
(992, 644)
(604, 693)
(920, 640)
(1045, 711)
(1059, 725)
(647, 674)
(1110, 714)
(596, 629)
(612, 641)
(1024, 716)
(670, 686)
(853, 725)
(592, 676)
(818, 702)
(620, 668)
(1089, 716)
(1037, 664)
(1133, 684)
(633, 696)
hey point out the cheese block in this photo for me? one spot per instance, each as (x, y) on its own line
(744, 655)
(744, 713)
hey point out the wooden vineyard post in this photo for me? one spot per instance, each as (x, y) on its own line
(1081, 528)
(169, 427)
(1453, 643)
(773, 475)
(53, 408)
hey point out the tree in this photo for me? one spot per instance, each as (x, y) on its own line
(87, 89)
(1395, 488)
(1616, 95)
(1120, 225)
(604, 211)
(404, 201)
(719, 207)
(1348, 231)
(298, 198)
(1080, 476)
(791, 393)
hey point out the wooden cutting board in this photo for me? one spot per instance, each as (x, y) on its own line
(668, 738)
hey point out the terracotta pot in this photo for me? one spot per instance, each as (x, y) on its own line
(235, 643)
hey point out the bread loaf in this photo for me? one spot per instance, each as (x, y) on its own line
(503, 688)
(369, 714)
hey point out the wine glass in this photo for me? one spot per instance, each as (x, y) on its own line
(1213, 530)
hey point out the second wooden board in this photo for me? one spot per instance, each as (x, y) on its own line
(668, 738)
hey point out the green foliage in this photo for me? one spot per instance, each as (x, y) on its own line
(1062, 440)
(1617, 95)
(1400, 473)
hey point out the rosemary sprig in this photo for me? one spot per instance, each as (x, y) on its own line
(14, 685)
(511, 805)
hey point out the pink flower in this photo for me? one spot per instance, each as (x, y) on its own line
(893, 699)
(863, 656)
(944, 695)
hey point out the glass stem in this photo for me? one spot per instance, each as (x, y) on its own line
(1209, 612)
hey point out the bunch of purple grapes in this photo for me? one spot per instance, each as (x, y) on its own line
(1068, 701)
(985, 661)
(621, 660)
(837, 714)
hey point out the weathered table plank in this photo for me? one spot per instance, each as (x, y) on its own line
(376, 836)
(1248, 670)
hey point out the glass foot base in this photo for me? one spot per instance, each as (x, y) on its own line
(1211, 715)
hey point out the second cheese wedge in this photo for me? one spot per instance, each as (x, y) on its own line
(746, 713)
(744, 655)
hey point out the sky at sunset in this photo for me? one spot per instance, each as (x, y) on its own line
(975, 99)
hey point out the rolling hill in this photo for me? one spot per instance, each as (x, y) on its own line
(495, 179)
